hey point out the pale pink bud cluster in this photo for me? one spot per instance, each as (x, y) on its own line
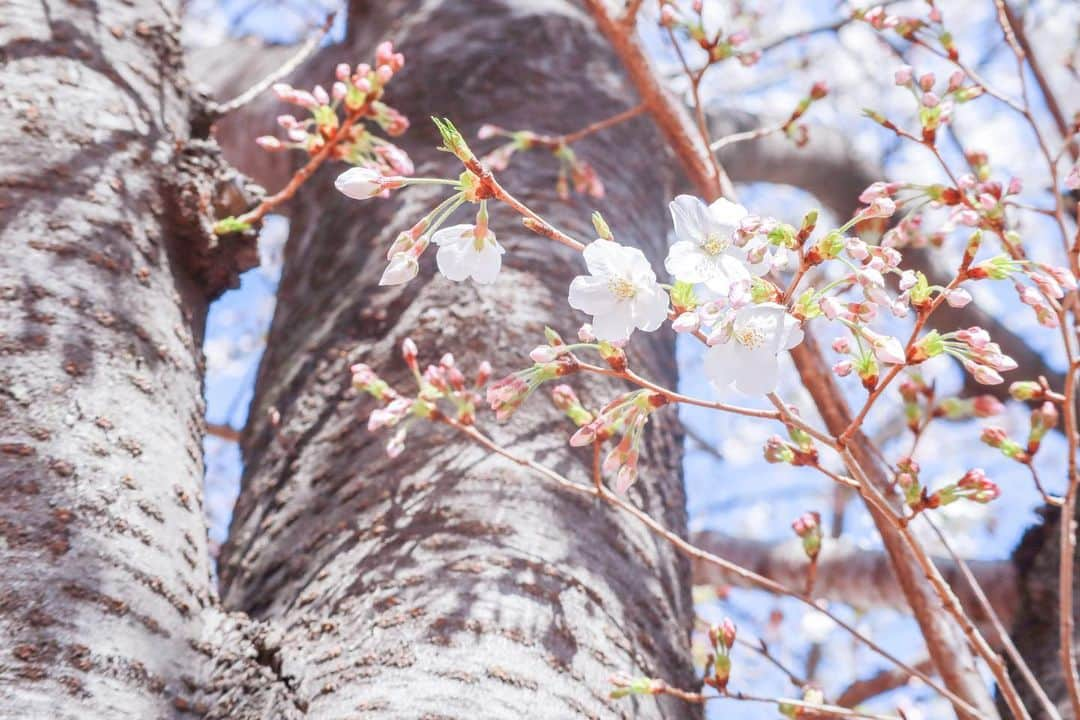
(627, 414)
(980, 357)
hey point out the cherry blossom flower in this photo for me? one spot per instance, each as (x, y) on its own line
(705, 250)
(463, 254)
(748, 359)
(621, 292)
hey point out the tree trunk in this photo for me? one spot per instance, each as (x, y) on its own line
(104, 572)
(450, 582)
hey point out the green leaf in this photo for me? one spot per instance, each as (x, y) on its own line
(229, 225)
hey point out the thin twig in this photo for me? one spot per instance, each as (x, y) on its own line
(302, 53)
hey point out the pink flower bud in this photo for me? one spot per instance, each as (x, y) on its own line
(986, 406)
(831, 307)
(926, 82)
(483, 374)
(957, 297)
(841, 345)
(1072, 180)
(543, 354)
(320, 95)
(402, 268)
(383, 52)
(304, 99)
(359, 183)
(342, 71)
(984, 374)
(339, 90)
(843, 368)
(902, 76)
(268, 142)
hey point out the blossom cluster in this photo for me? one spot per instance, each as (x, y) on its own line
(355, 94)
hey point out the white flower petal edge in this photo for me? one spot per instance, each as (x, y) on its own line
(620, 291)
(462, 256)
(748, 358)
(705, 249)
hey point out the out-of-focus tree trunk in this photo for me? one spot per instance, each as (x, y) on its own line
(450, 582)
(104, 571)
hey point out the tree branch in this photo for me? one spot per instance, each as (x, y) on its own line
(862, 578)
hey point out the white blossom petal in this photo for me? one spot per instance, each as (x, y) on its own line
(452, 262)
(591, 295)
(727, 213)
(650, 308)
(616, 325)
(690, 217)
(488, 263)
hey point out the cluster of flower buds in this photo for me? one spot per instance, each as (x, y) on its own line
(718, 45)
(980, 406)
(798, 132)
(808, 528)
(573, 171)
(974, 486)
(997, 437)
(800, 451)
(626, 415)
(974, 202)
(507, 395)
(911, 29)
(870, 349)
(913, 390)
(909, 233)
(566, 400)
(907, 478)
(722, 640)
(1049, 285)
(935, 103)
(973, 348)
(441, 382)
(355, 93)
(1044, 418)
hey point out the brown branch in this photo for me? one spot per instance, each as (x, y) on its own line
(861, 578)
(671, 117)
(1048, 94)
(860, 691)
(225, 432)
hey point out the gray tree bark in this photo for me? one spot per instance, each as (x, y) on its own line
(448, 582)
(104, 573)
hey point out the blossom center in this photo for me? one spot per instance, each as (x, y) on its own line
(715, 243)
(622, 288)
(749, 336)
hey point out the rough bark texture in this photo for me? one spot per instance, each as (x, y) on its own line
(104, 572)
(448, 582)
(1035, 630)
